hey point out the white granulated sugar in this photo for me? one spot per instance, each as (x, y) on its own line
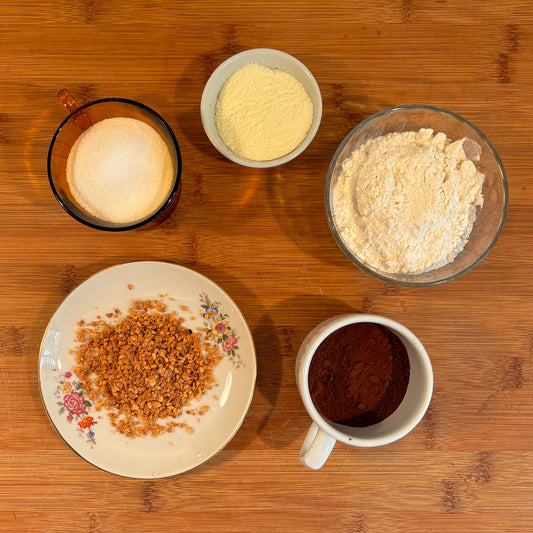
(263, 113)
(120, 170)
(406, 202)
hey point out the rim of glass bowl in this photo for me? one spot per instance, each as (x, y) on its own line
(140, 223)
(383, 277)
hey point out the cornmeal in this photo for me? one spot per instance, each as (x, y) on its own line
(263, 113)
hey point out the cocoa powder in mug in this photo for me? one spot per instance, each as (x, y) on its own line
(359, 374)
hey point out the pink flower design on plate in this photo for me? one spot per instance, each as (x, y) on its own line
(220, 328)
(228, 344)
(75, 403)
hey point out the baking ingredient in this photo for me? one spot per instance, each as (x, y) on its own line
(145, 368)
(262, 113)
(359, 374)
(120, 170)
(406, 202)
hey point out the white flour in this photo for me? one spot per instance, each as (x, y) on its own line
(406, 202)
(263, 113)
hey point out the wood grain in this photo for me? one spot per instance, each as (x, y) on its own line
(263, 236)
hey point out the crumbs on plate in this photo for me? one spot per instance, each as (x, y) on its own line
(144, 368)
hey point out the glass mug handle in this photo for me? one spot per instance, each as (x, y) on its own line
(70, 103)
(316, 447)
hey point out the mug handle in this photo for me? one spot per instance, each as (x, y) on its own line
(316, 447)
(70, 104)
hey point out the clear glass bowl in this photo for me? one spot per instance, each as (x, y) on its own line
(491, 217)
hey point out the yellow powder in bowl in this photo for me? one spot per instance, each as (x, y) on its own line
(263, 113)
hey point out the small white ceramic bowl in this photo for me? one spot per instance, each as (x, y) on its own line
(270, 58)
(323, 434)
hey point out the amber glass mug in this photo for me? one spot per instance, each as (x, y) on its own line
(82, 117)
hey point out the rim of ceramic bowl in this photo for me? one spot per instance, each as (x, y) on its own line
(215, 138)
(384, 277)
(144, 221)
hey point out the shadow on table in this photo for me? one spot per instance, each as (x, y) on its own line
(298, 204)
(297, 190)
(277, 417)
(285, 419)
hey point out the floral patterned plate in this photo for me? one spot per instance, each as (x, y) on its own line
(201, 304)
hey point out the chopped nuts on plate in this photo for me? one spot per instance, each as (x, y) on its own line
(147, 367)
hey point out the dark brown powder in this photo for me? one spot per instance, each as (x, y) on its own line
(359, 374)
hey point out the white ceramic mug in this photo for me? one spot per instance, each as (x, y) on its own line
(323, 434)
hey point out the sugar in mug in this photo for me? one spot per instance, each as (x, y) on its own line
(323, 434)
(80, 118)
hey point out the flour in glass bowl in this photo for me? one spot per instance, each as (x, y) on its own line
(406, 202)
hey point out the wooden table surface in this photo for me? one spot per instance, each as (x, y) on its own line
(262, 235)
